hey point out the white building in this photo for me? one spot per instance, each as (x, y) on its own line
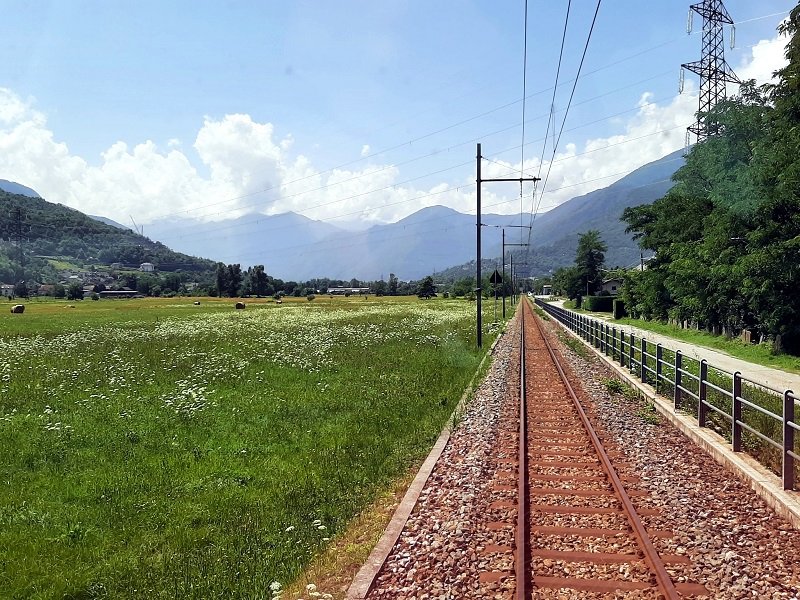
(147, 267)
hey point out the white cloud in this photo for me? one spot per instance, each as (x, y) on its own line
(766, 57)
(249, 169)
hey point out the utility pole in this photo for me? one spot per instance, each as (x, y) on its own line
(504, 265)
(713, 70)
(478, 226)
(512, 279)
(478, 262)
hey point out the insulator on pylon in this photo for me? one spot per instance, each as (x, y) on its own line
(680, 82)
(733, 37)
(689, 20)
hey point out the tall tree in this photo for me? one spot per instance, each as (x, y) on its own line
(258, 281)
(222, 279)
(772, 268)
(426, 289)
(590, 258)
(392, 284)
(234, 279)
(567, 281)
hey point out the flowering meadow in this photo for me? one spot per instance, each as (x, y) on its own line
(154, 449)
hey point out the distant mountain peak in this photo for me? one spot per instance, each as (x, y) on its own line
(12, 187)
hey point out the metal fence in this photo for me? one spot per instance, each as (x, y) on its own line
(752, 416)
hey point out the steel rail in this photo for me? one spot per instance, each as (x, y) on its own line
(522, 558)
(653, 560)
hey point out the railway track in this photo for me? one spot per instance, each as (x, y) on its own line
(577, 526)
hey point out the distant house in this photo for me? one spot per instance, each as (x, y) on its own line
(612, 286)
(147, 267)
(46, 289)
(116, 266)
(547, 290)
(6, 289)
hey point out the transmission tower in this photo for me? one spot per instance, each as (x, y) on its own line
(713, 70)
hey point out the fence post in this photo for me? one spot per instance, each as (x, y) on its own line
(736, 413)
(678, 378)
(788, 440)
(643, 366)
(659, 358)
(632, 353)
(613, 342)
(702, 393)
(621, 348)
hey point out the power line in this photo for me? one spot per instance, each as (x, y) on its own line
(402, 144)
(218, 228)
(566, 113)
(524, 95)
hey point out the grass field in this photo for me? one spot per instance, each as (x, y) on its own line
(157, 449)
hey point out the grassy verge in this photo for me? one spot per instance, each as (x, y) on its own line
(167, 450)
(760, 354)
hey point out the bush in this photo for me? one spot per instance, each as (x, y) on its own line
(310, 297)
(599, 303)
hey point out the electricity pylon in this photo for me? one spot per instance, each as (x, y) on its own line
(713, 70)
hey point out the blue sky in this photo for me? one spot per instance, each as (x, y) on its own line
(213, 109)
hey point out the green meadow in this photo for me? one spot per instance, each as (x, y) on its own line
(157, 449)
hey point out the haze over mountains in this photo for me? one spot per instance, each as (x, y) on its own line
(432, 239)
(292, 246)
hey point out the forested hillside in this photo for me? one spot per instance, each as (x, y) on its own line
(33, 230)
(727, 235)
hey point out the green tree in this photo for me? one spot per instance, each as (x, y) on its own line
(21, 289)
(258, 281)
(222, 280)
(589, 259)
(426, 289)
(380, 287)
(59, 291)
(464, 286)
(393, 284)
(75, 291)
(235, 278)
(772, 267)
(700, 229)
(567, 282)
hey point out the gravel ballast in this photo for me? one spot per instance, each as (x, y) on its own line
(455, 546)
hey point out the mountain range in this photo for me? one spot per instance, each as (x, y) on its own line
(292, 246)
(429, 240)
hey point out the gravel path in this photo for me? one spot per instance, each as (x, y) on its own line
(739, 548)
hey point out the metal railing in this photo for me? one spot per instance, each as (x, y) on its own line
(732, 405)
